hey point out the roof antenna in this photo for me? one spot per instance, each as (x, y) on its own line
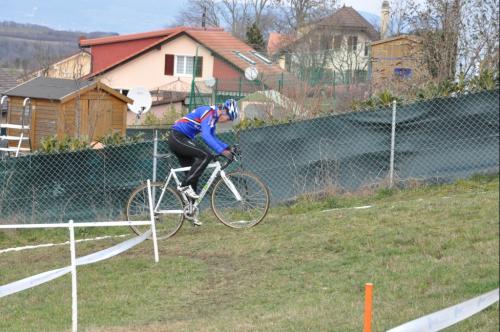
(204, 18)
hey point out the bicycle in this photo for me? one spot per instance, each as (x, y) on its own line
(239, 200)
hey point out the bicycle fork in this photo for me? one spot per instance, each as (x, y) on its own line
(231, 186)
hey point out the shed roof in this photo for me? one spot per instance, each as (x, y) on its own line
(8, 78)
(58, 89)
(412, 38)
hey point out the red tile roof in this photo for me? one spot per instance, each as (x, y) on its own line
(225, 45)
(116, 39)
(278, 41)
(220, 42)
(348, 18)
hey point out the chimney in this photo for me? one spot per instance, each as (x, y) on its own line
(204, 18)
(384, 28)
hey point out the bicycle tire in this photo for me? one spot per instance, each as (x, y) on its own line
(246, 213)
(138, 209)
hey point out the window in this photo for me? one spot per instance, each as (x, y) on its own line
(402, 72)
(261, 57)
(325, 42)
(247, 59)
(367, 49)
(337, 42)
(184, 65)
(352, 43)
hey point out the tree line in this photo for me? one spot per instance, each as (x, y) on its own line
(458, 35)
(30, 46)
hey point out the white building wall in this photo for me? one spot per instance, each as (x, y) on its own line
(148, 70)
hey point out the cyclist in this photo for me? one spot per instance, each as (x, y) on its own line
(202, 120)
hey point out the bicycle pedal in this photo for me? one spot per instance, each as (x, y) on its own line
(196, 223)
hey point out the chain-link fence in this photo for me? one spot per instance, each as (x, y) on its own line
(433, 140)
(284, 95)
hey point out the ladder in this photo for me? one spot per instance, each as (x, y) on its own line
(5, 140)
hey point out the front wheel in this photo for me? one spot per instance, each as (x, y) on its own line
(170, 212)
(245, 212)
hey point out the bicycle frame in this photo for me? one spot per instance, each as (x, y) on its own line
(173, 176)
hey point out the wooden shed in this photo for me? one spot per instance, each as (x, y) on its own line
(397, 59)
(63, 107)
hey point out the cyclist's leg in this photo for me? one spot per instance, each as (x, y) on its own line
(199, 165)
(190, 154)
(185, 161)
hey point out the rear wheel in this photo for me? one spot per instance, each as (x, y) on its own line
(171, 216)
(248, 211)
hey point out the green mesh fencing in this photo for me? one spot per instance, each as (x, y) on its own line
(435, 140)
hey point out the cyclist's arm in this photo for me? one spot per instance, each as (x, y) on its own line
(218, 140)
(208, 135)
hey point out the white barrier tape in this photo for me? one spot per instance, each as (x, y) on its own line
(350, 208)
(449, 316)
(398, 202)
(60, 244)
(112, 251)
(44, 277)
(33, 281)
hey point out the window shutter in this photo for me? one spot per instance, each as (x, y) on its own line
(169, 64)
(352, 43)
(199, 66)
(337, 42)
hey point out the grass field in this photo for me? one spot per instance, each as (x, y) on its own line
(302, 269)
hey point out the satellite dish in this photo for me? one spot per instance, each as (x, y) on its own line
(251, 73)
(210, 82)
(142, 100)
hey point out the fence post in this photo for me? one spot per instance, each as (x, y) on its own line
(74, 303)
(155, 160)
(239, 87)
(155, 153)
(393, 139)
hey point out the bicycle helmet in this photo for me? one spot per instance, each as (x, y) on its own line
(231, 106)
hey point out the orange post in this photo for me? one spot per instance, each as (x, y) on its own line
(368, 307)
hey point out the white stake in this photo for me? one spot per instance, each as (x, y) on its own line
(73, 277)
(153, 226)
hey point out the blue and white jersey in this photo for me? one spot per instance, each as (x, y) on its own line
(201, 120)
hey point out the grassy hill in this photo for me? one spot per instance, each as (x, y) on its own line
(303, 268)
(29, 46)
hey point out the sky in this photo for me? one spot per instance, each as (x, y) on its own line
(121, 16)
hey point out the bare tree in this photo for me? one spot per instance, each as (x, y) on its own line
(297, 13)
(400, 16)
(44, 57)
(479, 40)
(349, 62)
(236, 14)
(192, 14)
(439, 23)
(259, 7)
(458, 35)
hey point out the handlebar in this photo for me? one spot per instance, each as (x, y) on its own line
(236, 155)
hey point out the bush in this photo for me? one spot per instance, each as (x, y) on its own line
(486, 80)
(52, 144)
